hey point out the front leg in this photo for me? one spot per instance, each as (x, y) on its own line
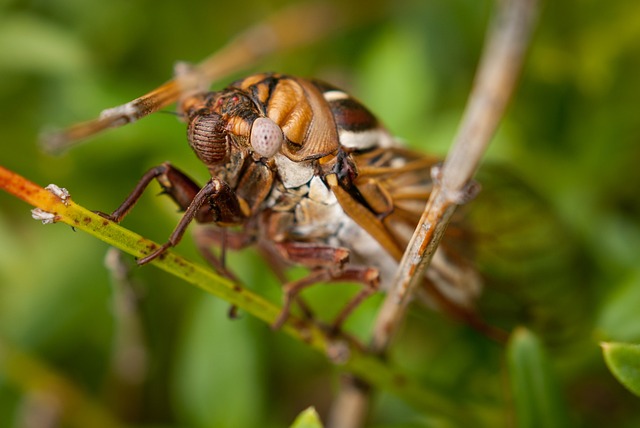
(223, 205)
(174, 183)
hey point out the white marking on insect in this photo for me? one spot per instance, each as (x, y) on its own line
(266, 137)
(319, 192)
(62, 193)
(315, 220)
(43, 216)
(335, 95)
(365, 249)
(361, 140)
(293, 174)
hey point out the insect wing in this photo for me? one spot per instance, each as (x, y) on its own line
(394, 185)
(527, 256)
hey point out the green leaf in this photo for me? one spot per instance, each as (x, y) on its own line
(307, 419)
(535, 391)
(619, 317)
(623, 359)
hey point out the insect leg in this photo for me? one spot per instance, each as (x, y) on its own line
(326, 261)
(314, 255)
(207, 237)
(223, 207)
(292, 289)
(369, 277)
(328, 264)
(174, 183)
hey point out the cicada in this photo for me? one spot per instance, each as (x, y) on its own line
(308, 175)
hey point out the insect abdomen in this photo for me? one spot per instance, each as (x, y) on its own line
(358, 128)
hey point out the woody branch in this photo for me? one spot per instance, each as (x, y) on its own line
(494, 84)
(507, 41)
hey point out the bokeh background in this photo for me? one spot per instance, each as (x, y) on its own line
(558, 225)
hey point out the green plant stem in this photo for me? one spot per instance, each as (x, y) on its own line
(343, 350)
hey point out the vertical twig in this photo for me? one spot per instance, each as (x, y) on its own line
(500, 64)
(507, 41)
(350, 408)
(129, 359)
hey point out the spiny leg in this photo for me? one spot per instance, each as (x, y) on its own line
(292, 289)
(174, 183)
(369, 277)
(216, 201)
(222, 203)
(329, 268)
(306, 254)
(207, 237)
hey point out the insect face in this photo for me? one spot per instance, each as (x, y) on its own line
(229, 120)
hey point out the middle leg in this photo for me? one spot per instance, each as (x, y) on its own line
(328, 265)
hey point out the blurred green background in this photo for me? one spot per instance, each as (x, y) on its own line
(560, 215)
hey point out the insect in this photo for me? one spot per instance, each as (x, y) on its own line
(307, 174)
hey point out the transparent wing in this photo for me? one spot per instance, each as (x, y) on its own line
(527, 257)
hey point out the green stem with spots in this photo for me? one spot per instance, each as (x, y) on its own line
(345, 352)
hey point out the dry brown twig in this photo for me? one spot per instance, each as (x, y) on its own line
(129, 356)
(507, 41)
(293, 27)
(495, 80)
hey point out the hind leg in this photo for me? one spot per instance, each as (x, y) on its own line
(327, 265)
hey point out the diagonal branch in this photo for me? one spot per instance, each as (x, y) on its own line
(500, 65)
(56, 206)
(295, 26)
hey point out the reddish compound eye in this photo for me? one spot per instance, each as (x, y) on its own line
(266, 137)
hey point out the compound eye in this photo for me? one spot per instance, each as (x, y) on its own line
(207, 137)
(266, 137)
